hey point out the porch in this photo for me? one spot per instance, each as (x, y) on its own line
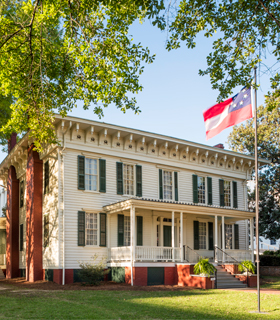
(143, 230)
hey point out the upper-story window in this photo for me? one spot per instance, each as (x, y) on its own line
(128, 179)
(168, 185)
(202, 192)
(228, 193)
(91, 174)
(21, 194)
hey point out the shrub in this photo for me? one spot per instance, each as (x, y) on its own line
(271, 253)
(269, 261)
(204, 267)
(93, 273)
(246, 266)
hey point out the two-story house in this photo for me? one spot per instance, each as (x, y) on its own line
(150, 204)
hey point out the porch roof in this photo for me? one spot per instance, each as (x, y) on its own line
(177, 206)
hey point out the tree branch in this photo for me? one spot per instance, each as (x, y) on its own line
(269, 13)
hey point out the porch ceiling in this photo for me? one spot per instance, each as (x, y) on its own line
(177, 206)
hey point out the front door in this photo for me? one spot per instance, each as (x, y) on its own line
(167, 236)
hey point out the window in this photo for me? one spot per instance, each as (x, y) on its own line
(228, 231)
(227, 193)
(46, 177)
(91, 174)
(46, 230)
(21, 237)
(128, 179)
(202, 235)
(201, 189)
(21, 194)
(91, 229)
(167, 185)
(126, 231)
(272, 242)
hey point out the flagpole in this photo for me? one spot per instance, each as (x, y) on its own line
(257, 196)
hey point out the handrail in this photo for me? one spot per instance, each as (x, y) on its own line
(216, 247)
(199, 256)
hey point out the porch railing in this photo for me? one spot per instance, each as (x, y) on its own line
(143, 253)
(2, 259)
(191, 255)
(231, 255)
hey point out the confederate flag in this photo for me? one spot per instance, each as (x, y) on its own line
(228, 113)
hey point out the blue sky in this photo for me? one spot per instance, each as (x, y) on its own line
(174, 95)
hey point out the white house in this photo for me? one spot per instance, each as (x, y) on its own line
(150, 204)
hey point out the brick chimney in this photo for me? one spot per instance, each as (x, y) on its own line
(12, 142)
(219, 145)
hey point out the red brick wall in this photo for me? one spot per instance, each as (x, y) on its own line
(57, 276)
(12, 225)
(140, 276)
(184, 273)
(273, 271)
(170, 274)
(34, 194)
(69, 276)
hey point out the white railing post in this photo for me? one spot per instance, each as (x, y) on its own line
(223, 237)
(181, 236)
(173, 258)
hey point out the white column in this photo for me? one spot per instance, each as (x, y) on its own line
(252, 238)
(132, 239)
(223, 236)
(109, 231)
(216, 238)
(181, 236)
(161, 231)
(172, 233)
(177, 232)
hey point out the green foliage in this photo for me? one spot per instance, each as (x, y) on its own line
(242, 139)
(92, 273)
(246, 266)
(204, 267)
(56, 52)
(272, 253)
(4, 211)
(243, 33)
(269, 260)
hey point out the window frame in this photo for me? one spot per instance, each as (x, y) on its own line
(21, 194)
(205, 189)
(134, 179)
(230, 193)
(172, 182)
(97, 174)
(97, 229)
(206, 234)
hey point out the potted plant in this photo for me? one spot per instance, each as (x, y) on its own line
(247, 267)
(204, 268)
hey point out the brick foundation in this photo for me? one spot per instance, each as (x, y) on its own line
(184, 273)
(69, 276)
(170, 275)
(12, 225)
(57, 276)
(34, 195)
(270, 271)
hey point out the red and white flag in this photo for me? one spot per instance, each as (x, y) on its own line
(228, 113)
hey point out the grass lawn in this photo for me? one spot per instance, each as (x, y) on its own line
(271, 283)
(18, 303)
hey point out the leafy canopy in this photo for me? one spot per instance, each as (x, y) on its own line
(242, 140)
(244, 32)
(56, 52)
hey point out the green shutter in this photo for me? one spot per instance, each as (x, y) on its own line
(81, 228)
(47, 174)
(160, 184)
(120, 230)
(236, 236)
(119, 178)
(139, 231)
(210, 236)
(21, 237)
(196, 235)
(222, 196)
(81, 172)
(234, 185)
(139, 181)
(176, 185)
(209, 190)
(102, 175)
(195, 190)
(102, 218)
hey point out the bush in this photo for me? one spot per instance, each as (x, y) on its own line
(269, 261)
(246, 266)
(204, 267)
(93, 273)
(271, 253)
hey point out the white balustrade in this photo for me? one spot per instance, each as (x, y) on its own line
(120, 254)
(232, 255)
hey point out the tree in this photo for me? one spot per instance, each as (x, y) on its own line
(245, 31)
(242, 139)
(56, 52)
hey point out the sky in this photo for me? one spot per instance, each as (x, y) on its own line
(174, 95)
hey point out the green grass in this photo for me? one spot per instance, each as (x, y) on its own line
(195, 304)
(271, 283)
